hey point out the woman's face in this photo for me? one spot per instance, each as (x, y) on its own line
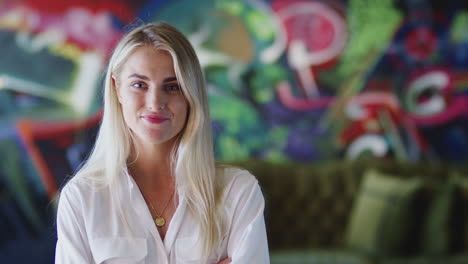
(153, 105)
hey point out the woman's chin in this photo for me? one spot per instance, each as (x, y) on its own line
(158, 140)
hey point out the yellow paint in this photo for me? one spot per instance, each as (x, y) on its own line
(67, 50)
(12, 20)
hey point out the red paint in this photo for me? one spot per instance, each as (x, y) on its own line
(421, 43)
(46, 130)
(123, 9)
(61, 132)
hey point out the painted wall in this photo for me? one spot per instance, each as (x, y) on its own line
(301, 81)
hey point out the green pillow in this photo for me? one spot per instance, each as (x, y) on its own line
(459, 215)
(381, 217)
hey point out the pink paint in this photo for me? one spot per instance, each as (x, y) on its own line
(303, 21)
(90, 28)
(77, 25)
(289, 100)
(457, 108)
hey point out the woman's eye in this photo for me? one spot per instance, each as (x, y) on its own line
(138, 85)
(172, 88)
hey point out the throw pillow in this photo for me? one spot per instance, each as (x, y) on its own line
(381, 215)
(459, 222)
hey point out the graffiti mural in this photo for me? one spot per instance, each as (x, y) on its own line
(288, 81)
(331, 79)
(50, 70)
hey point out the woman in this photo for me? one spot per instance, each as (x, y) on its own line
(150, 191)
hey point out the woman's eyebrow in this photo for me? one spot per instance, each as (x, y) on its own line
(169, 79)
(143, 77)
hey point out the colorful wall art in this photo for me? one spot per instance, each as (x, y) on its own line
(289, 81)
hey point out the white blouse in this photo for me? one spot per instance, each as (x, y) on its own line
(92, 229)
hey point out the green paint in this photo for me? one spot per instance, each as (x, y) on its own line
(459, 31)
(242, 127)
(14, 176)
(230, 6)
(261, 25)
(371, 27)
(41, 67)
(263, 83)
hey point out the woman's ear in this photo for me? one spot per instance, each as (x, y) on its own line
(116, 87)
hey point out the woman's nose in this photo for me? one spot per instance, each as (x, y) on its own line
(156, 100)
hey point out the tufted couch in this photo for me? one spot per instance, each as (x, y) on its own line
(367, 211)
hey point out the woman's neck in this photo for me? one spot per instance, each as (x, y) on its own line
(150, 166)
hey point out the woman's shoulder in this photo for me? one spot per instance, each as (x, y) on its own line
(231, 174)
(236, 180)
(82, 185)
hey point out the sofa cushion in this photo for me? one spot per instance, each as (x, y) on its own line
(381, 218)
(455, 259)
(332, 256)
(460, 223)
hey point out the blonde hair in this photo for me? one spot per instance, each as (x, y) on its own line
(193, 161)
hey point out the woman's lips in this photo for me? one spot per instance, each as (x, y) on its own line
(154, 119)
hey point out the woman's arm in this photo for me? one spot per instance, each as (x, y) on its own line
(248, 239)
(72, 245)
(225, 261)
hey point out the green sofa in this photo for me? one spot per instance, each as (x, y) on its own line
(367, 211)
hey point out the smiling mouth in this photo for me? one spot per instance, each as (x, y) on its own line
(154, 119)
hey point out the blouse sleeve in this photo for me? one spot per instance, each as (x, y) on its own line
(72, 245)
(248, 240)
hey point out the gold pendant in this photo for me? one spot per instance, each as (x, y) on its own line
(160, 221)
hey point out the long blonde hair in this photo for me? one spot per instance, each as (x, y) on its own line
(193, 159)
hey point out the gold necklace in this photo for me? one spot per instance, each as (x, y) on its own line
(160, 221)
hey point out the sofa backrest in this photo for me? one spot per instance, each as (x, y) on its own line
(309, 206)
